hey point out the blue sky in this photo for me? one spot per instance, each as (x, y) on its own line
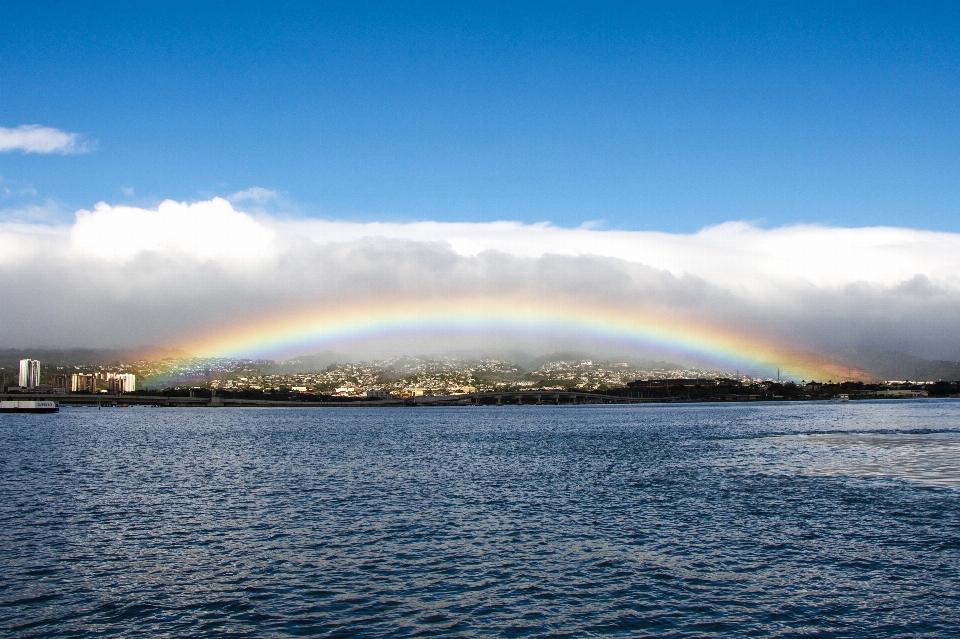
(646, 116)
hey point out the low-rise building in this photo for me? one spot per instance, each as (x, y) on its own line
(902, 393)
(463, 390)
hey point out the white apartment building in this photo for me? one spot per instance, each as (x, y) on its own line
(80, 383)
(29, 373)
(122, 382)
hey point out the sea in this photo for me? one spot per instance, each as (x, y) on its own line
(802, 519)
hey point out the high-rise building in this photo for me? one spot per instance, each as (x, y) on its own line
(80, 383)
(61, 382)
(122, 382)
(29, 373)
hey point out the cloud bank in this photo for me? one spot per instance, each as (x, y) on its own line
(122, 276)
(33, 138)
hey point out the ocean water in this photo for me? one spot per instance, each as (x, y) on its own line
(761, 520)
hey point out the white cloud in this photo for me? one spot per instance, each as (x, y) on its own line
(34, 138)
(734, 255)
(208, 231)
(254, 194)
(122, 275)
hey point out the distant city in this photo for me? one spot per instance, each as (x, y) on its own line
(412, 377)
(398, 377)
(29, 379)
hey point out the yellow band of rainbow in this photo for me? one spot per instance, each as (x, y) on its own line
(306, 330)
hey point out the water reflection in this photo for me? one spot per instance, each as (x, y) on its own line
(927, 458)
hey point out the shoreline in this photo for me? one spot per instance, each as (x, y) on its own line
(517, 398)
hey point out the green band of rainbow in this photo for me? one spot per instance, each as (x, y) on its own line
(305, 330)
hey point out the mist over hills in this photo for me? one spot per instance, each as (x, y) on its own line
(893, 365)
(311, 363)
(530, 361)
(880, 364)
(521, 359)
(10, 357)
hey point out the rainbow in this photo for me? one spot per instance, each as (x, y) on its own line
(310, 329)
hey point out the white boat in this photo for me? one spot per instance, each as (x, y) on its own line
(28, 406)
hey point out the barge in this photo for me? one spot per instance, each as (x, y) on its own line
(28, 406)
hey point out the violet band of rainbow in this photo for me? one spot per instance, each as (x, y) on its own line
(305, 330)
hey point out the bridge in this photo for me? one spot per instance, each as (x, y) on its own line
(520, 398)
(492, 398)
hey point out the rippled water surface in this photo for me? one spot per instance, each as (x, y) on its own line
(782, 520)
